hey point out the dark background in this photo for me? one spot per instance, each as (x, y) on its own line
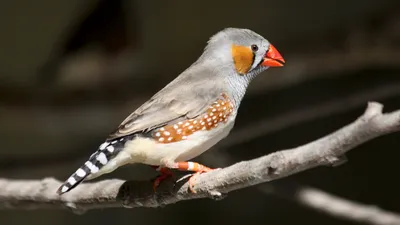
(71, 71)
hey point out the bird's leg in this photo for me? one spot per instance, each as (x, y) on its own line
(195, 167)
(164, 174)
(182, 166)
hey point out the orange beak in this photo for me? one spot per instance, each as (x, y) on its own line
(273, 58)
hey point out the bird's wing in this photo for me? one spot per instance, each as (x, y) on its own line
(165, 108)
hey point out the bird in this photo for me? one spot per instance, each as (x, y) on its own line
(189, 115)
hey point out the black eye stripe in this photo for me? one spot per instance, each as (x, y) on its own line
(254, 59)
(254, 48)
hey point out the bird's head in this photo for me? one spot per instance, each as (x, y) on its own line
(247, 52)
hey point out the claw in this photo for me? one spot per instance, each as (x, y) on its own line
(194, 176)
(192, 180)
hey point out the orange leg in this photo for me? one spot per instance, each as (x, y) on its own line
(165, 173)
(195, 167)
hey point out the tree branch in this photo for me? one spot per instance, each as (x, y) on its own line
(316, 199)
(328, 150)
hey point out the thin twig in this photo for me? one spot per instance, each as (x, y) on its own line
(345, 209)
(332, 205)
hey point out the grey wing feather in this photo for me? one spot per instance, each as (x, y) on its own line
(177, 101)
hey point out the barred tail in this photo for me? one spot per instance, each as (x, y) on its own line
(106, 152)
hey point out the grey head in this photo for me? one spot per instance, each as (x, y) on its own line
(235, 56)
(233, 46)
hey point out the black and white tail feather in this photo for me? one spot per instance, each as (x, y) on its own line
(106, 152)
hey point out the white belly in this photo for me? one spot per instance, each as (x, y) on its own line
(148, 151)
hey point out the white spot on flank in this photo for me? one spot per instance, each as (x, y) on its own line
(158, 134)
(224, 108)
(220, 114)
(190, 166)
(205, 116)
(218, 105)
(216, 125)
(166, 133)
(222, 103)
(64, 189)
(214, 110)
(103, 146)
(204, 128)
(162, 129)
(224, 116)
(195, 122)
(175, 126)
(209, 124)
(180, 123)
(179, 131)
(215, 121)
(161, 139)
(209, 119)
(214, 117)
(110, 148)
(211, 114)
(170, 139)
(80, 172)
(187, 124)
(93, 168)
(184, 137)
(202, 123)
(102, 158)
(190, 127)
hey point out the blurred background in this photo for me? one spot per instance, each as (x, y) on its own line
(71, 71)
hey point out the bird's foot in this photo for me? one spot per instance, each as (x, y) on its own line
(193, 178)
(195, 167)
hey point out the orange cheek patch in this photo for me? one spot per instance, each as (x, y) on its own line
(216, 114)
(243, 58)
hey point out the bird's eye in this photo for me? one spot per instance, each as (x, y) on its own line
(254, 48)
